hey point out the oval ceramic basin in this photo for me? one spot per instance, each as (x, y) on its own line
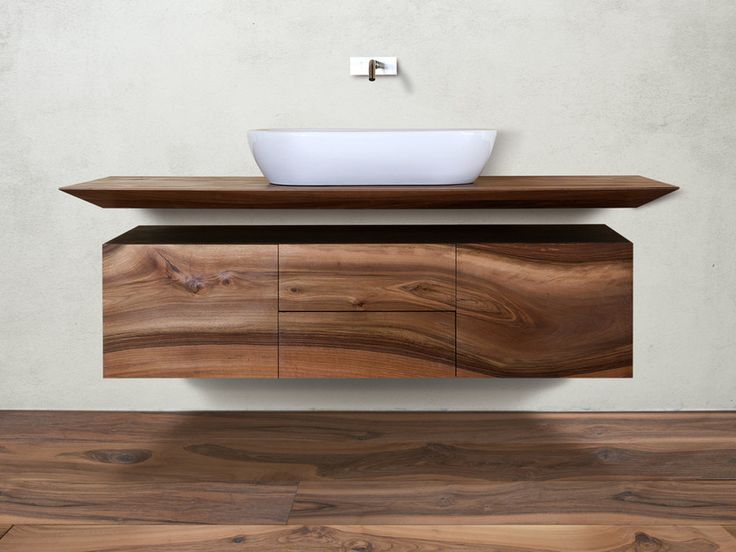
(334, 157)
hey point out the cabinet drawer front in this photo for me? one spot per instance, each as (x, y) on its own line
(545, 310)
(190, 310)
(367, 277)
(367, 345)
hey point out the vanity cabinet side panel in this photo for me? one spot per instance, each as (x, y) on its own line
(190, 310)
(544, 310)
(366, 277)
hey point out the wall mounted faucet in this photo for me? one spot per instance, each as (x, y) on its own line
(372, 64)
(376, 66)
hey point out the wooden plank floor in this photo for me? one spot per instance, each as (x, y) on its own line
(517, 502)
(367, 538)
(83, 481)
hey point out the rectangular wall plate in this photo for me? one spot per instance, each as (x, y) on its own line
(359, 66)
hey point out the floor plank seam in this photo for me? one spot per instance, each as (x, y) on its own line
(4, 531)
(293, 502)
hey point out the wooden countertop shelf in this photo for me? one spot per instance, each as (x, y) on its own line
(250, 192)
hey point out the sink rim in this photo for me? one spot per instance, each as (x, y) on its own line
(370, 130)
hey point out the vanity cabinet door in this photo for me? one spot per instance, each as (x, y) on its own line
(366, 277)
(367, 344)
(544, 310)
(190, 310)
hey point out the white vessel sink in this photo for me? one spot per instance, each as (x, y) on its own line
(335, 157)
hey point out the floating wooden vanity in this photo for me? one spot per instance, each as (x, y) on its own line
(368, 301)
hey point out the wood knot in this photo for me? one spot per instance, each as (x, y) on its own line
(419, 288)
(626, 496)
(193, 283)
(314, 532)
(644, 543)
(359, 546)
(611, 455)
(225, 278)
(445, 501)
(239, 539)
(128, 456)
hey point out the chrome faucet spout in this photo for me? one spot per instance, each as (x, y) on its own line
(372, 66)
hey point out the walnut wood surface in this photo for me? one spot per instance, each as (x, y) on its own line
(241, 468)
(519, 502)
(367, 538)
(190, 310)
(366, 344)
(533, 301)
(255, 193)
(689, 430)
(544, 310)
(251, 458)
(73, 501)
(366, 277)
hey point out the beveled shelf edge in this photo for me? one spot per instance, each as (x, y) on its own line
(488, 192)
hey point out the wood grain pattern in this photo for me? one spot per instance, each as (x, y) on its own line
(207, 308)
(686, 430)
(247, 456)
(292, 447)
(367, 538)
(253, 192)
(366, 277)
(237, 467)
(366, 344)
(519, 502)
(190, 310)
(69, 501)
(544, 310)
(455, 462)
